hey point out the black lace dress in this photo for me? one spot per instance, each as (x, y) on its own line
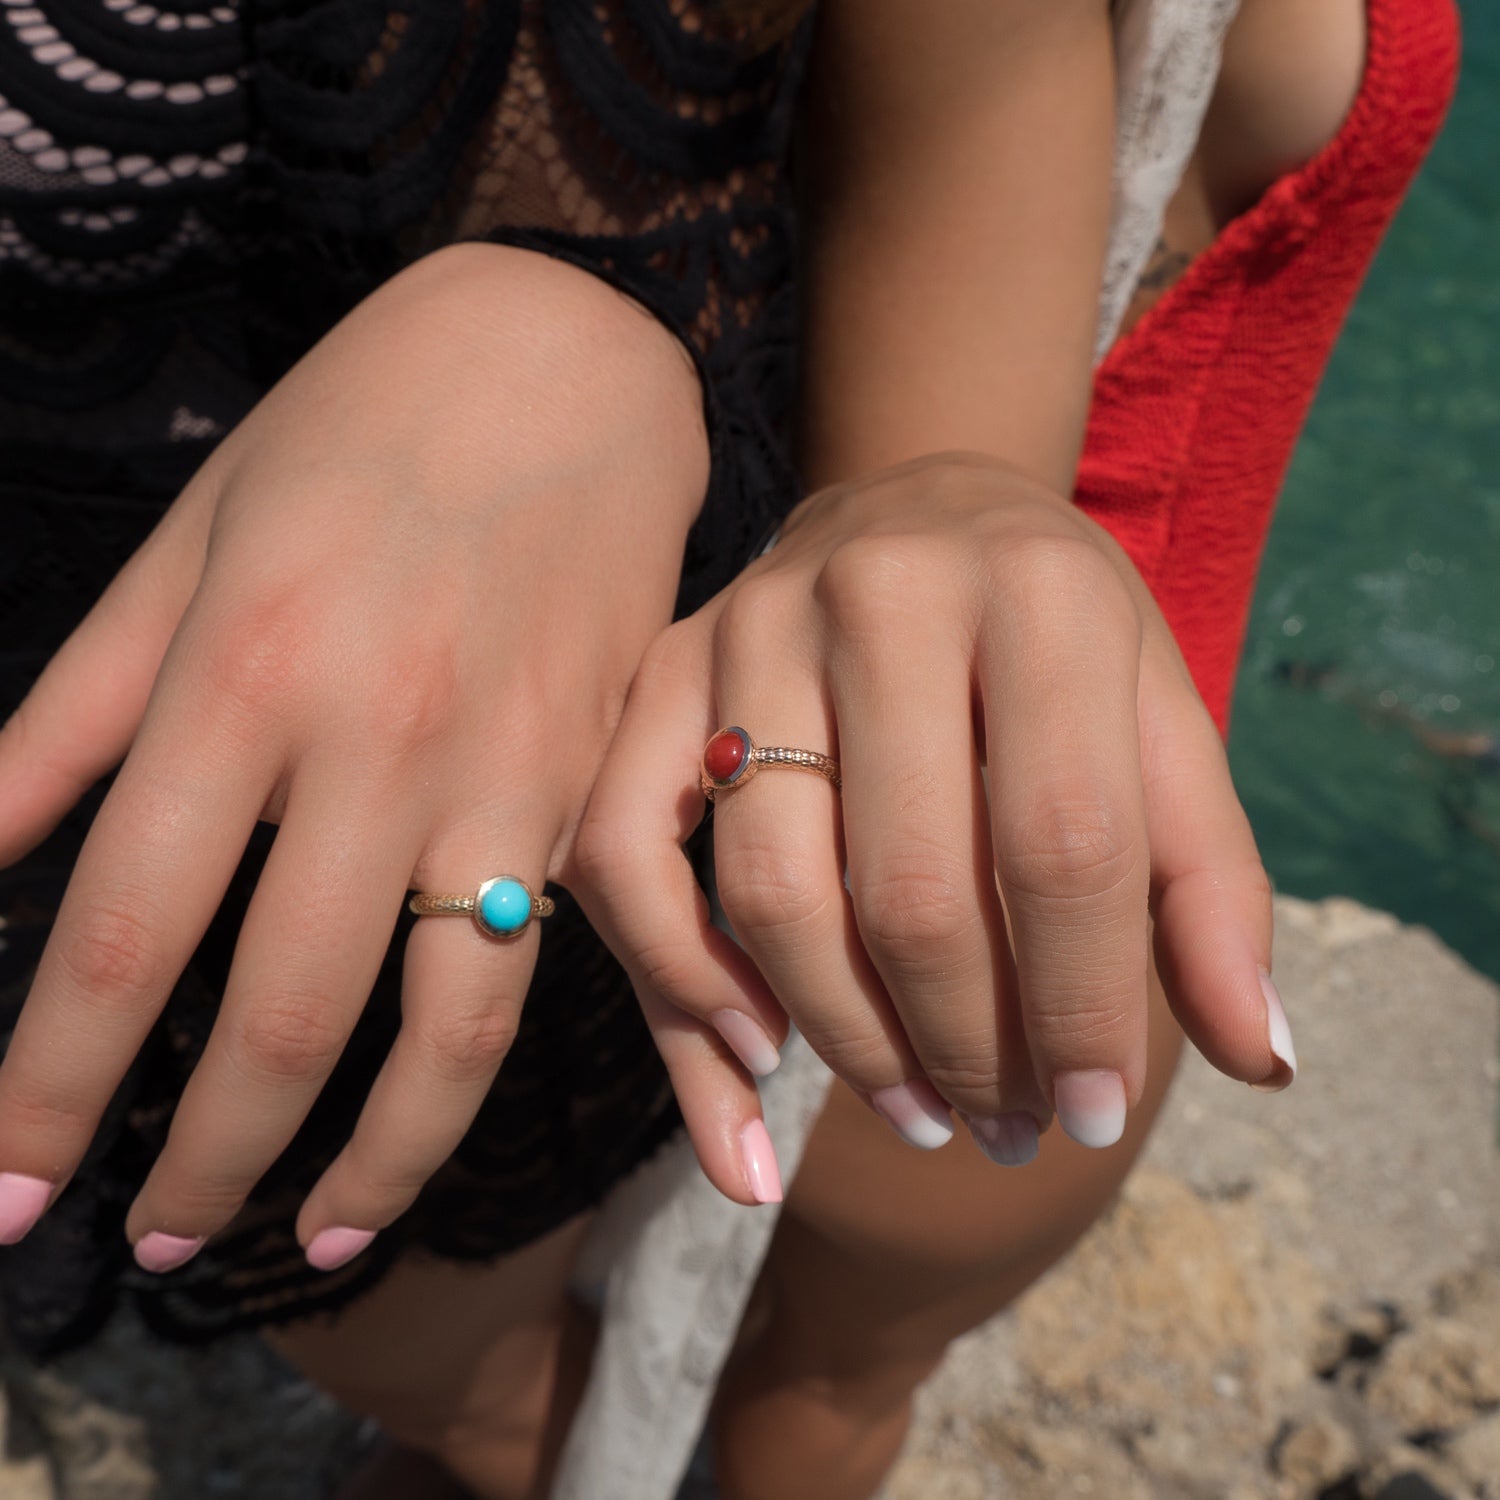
(190, 195)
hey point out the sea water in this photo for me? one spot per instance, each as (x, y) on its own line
(1377, 615)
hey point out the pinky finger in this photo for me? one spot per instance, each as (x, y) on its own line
(719, 1104)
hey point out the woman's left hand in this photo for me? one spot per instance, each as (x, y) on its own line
(939, 941)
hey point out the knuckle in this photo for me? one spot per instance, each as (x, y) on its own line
(915, 907)
(383, 1189)
(764, 605)
(413, 700)
(1042, 563)
(1067, 1028)
(669, 663)
(287, 1039)
(39, 1119)
(856, 1050)
(112, 952)
(604, 850)
(202, 1202)
(464, 1045)
(765, 888)
(1075, 845)
(867, 579)
(967, 1079)
(665, 968)
(257, 651)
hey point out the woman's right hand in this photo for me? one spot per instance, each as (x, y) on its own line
(396, 613)
(941, 940)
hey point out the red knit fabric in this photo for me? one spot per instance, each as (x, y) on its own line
(1196, 409)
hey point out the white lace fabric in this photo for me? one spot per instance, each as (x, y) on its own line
(672, 1259)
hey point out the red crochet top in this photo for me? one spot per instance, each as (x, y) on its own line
(1197, 408)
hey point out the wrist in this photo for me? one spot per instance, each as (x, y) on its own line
(575, 366)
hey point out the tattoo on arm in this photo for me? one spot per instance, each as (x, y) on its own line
(1164, 267)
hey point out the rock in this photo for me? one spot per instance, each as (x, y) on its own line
(1402, 1459)
(1313, 1454)
(1436, 1377)
(918, 1478)
(25, 1471)
(1475, 1453)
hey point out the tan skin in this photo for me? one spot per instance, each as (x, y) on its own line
(883, 1255)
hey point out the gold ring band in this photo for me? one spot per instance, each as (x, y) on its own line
(731, 758)
(502, 907)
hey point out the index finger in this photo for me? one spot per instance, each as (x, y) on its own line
(151, 874)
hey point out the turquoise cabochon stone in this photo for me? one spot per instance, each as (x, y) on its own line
(504, 906)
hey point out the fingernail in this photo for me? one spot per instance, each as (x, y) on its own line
(916, 1112)
(331, 1248)
(1009, 1140)
(1091, 1106)
(22, 1200)
(761, 1170)
(165, 1252)
(748, 1041)
(1281, 1040)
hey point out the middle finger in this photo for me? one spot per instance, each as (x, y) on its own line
(312, 942)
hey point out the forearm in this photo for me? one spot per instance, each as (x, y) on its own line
(957, 200)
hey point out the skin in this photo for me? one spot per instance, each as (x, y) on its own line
(883, 1254)
(877, 401)
(237, 666)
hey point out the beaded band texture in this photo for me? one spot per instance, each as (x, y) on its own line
(731, 758)
(501, 907)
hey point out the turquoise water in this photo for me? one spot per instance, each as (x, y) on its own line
(1384, 566)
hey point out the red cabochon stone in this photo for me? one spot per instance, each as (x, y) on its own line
(722, 757)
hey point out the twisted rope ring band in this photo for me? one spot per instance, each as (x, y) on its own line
(502, 907)
(731, 758)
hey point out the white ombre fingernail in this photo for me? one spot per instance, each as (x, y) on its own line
(916, 1112)
(748, 1041)
(1280, 1036)
(1090, 1106)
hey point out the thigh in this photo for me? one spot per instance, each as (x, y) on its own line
(885, 1254)
(447, 1356)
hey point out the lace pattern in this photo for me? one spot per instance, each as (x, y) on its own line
(190, 195)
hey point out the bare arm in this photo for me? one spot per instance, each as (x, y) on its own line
(957, 180)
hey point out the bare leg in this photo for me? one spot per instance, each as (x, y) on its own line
(473, 1370)
(883, 1256)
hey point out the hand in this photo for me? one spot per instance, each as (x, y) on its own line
(396, 612)
(918, 625)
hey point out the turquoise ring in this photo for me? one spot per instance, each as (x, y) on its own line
(502, 907)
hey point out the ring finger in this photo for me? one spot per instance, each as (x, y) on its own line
(461, 997)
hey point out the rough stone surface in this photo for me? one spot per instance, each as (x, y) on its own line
(1297, 1296)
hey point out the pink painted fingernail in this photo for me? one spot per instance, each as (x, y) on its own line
(1091, 1106)
(916, 1112)
(761, 1170)
(22, 1200)
(1281, 1040)
(748, 1041)
(331, 1248)
(165, 1252)
(1009, 1140)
